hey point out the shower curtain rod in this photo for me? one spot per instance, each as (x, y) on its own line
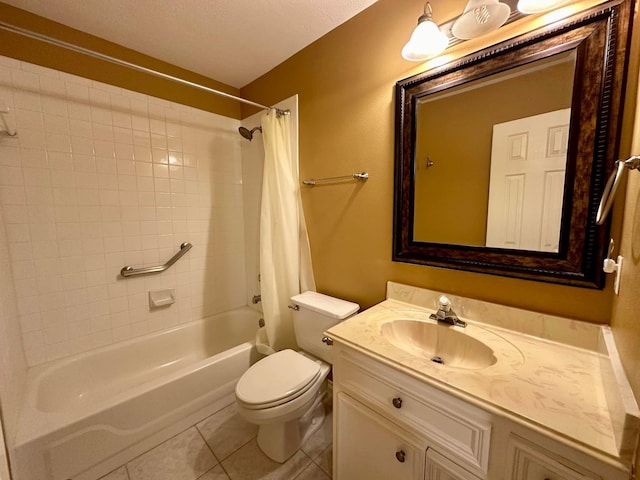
(69, 46)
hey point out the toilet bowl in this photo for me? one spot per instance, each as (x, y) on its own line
(283, 393)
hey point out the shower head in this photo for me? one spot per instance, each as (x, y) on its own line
(248, 134)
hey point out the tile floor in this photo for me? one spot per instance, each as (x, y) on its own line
(224, 447)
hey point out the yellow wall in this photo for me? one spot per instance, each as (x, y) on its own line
(625, 318)
(22, 48)
(345, 82)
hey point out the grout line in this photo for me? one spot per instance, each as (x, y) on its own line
(212, 452)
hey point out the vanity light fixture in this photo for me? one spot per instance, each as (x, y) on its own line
(537, 6)
(480, 17)
(426, 40)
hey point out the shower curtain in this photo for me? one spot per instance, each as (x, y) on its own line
(285, 256)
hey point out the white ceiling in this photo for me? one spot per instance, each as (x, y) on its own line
(233, 41)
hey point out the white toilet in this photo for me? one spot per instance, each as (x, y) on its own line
(282, 392)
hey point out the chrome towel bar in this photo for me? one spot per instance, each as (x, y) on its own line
(363, 176)
(130, 271)
(631, 163)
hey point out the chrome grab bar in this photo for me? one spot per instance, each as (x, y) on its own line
(129, 271)
(8, 131)
(632, 163)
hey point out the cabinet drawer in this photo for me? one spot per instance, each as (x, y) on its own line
(453, 425)
(531, 462)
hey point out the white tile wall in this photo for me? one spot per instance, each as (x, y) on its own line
(98, 178)
(13, 371)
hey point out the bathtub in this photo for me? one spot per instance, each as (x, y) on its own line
(85, 415)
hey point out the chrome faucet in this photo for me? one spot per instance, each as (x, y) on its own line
(445, 314)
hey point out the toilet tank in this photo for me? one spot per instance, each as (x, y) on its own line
(315, 314)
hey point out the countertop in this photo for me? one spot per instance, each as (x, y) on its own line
(555, 386)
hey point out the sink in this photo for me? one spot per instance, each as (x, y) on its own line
(442, 344)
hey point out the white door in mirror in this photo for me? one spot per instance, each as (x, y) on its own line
(526, 187)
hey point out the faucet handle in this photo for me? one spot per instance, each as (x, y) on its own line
(444, 303)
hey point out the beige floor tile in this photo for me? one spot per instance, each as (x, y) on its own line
(249, 463)
(216, 473)
(119, 474)
(325, 460)
(183, 457)
(225, 431)
(321, 439)
(312, 472)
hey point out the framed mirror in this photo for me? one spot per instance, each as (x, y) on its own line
(501, 156)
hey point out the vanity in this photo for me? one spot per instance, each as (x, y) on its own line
(514, 395)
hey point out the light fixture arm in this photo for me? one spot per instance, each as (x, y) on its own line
(426, 15)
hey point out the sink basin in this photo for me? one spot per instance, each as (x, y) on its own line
(440, 343)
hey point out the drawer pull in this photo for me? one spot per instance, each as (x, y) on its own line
(397, 402)
(400, 456)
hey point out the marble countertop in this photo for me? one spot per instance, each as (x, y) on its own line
(537, 381)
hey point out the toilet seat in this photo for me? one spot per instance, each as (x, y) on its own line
(277, 379)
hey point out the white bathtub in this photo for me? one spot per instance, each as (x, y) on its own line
(88, 414)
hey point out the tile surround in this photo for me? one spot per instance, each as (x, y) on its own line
(13, 371)
(100, 177)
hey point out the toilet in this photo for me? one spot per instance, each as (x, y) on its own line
(282, 393)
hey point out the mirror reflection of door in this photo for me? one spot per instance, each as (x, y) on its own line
(526, 186)
(453, 147)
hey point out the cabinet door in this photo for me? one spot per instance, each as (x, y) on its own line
(441, 468)
(531, 462)
(368, 447)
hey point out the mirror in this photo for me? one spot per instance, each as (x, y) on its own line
(511, 139)
(501, 156)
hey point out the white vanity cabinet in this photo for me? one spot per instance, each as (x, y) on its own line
(531, 462)
(391, 425)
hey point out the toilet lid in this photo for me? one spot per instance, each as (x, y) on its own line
(276, 377)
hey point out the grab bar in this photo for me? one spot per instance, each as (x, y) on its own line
(632, 163)
(130, 271)
(8, 131)
(358, 176)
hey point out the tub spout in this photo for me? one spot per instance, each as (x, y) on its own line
(256, 299)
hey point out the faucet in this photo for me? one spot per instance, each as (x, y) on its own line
(445, 314)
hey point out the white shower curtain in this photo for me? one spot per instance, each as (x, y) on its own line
(285, 257)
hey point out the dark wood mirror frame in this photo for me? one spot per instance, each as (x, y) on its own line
(600, 37)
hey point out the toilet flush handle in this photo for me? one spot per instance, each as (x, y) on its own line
(327, 341)
(294, 307)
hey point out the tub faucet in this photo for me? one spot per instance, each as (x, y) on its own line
(256, 299)
(445, 314)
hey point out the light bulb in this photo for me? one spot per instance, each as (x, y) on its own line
(480, 17)
(426, 41)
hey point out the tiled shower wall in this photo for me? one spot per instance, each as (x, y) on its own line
(98, 178)
(13, 371)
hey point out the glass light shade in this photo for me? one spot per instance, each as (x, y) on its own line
(426, 41)
(480, 17)
(537, 6)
